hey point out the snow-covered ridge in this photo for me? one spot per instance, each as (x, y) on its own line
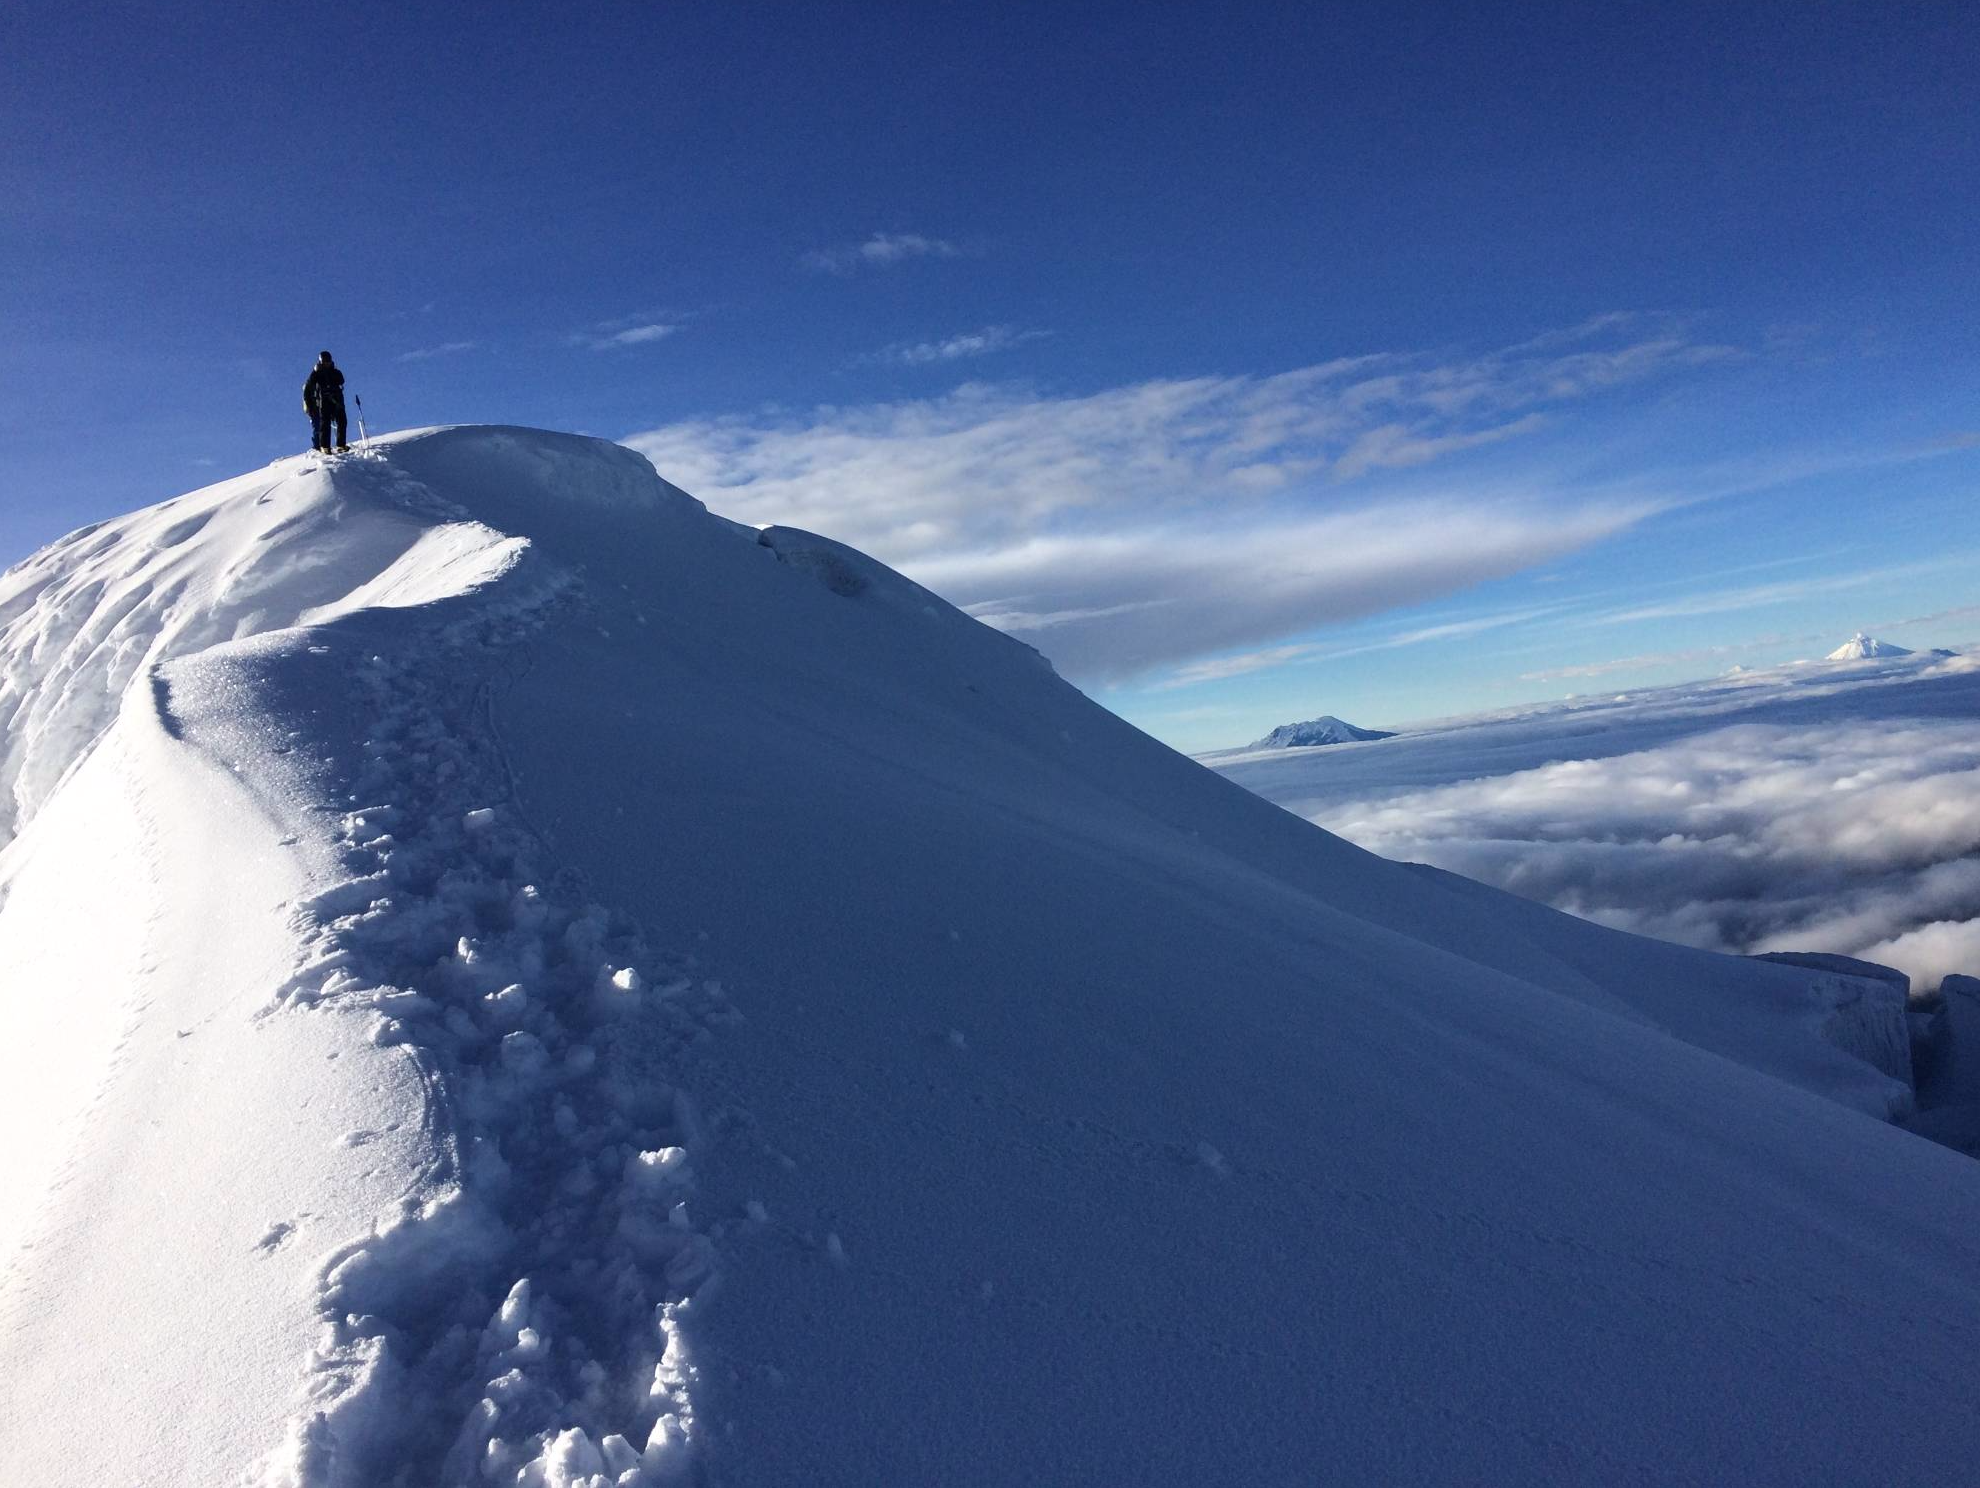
(284, 682)
(282, 547)
(516, 979)
(252, 622)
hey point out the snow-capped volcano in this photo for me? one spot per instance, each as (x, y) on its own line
(1325, 729)
(1860, 646)
(512, 978)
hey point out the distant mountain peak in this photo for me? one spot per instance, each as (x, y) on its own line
(1859, 646)
(1326, 729)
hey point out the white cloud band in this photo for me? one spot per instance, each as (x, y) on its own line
(1158, 522)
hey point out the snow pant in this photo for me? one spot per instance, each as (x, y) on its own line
(321, 418)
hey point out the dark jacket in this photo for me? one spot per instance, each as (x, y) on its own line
(325, 389)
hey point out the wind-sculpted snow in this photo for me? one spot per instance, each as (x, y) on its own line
(82, 618)
(584, 995)
(516, 1308)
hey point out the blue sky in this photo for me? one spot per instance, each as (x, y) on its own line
(1373, 360)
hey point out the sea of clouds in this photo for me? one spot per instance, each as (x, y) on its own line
(1843, 818)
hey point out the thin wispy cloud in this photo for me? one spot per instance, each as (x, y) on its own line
(1451, 630)
(1960, 612)
(1759, 596)
(1161, 522)
(1651, 661)
(1395, 446)
(878, 251)
(954, 348)
(639, 335)
(1965, 439)
(1220, 668)
(618, 333)
(450, 348)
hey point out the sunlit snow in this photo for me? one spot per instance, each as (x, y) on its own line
(512, 978)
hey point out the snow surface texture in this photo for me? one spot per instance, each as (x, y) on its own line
(1817, 807)
(515, 979)
(503, 1242)
(1325, 729)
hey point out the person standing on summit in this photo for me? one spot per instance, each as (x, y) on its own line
(323, 401)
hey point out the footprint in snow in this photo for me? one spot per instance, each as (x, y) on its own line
(277, 1236)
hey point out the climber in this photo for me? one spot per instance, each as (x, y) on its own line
(323, 401)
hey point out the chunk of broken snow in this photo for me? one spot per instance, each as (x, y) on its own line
(529, 1345)
(620, 1458)
(571, 1460)
(479, 818)
(655, 1172)
(514, 1313)
(508, 1005)
(666, 1447)
(523, 1053)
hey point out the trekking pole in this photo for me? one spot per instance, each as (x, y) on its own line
(364, 439)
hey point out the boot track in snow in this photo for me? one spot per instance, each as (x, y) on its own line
(479, 1333)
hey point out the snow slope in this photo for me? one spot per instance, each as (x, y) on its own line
(517, 979)
(1860, 647)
